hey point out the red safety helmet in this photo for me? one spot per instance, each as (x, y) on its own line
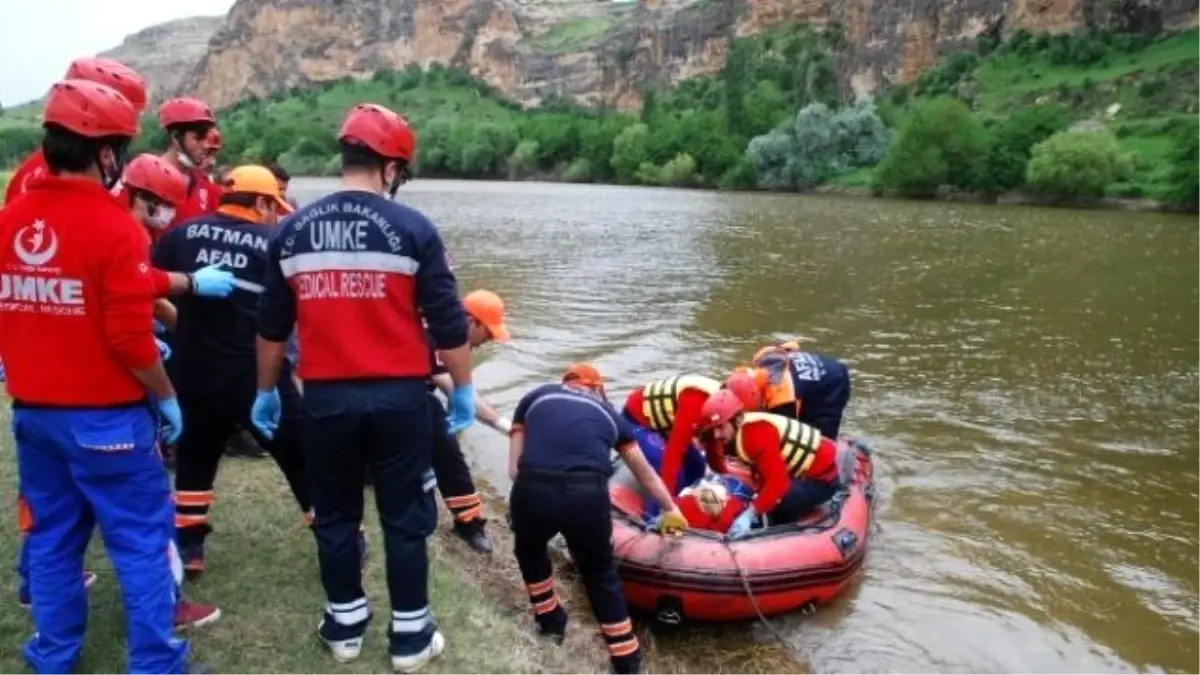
(386, 133)
(745, 386)
(157, 176)
(90, 109)
(184, 111)
(112, 73)
(720, 408)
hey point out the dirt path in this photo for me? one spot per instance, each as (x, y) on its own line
(689, 649)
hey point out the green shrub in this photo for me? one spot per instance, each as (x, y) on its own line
(1183, 185)
(1076, 164)
(939, 143)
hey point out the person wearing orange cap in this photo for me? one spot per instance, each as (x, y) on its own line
(214, 351)
(805, 386)
(797, 466)
(664, 414)
(485, 323)
(189, 123)
(97, 69)
(559, 460)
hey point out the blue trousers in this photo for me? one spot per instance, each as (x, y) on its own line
(386, 426)
(654, 446)
(78, 469)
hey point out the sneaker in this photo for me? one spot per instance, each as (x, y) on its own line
(475, 536)
(414, 662)
(26, 600)
(190, 615)
(344, 650)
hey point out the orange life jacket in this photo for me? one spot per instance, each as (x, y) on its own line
(660, 399)
(798, 441)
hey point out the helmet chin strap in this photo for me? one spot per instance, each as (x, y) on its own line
(181, 154)
(110, 177)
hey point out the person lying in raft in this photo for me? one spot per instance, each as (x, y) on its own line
(796, 464)
(714, 502)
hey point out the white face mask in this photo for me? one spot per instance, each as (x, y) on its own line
(161, 218)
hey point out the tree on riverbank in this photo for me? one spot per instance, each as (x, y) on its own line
(774, 118)
(817, 145)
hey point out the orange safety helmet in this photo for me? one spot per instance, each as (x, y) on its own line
(583, 373)
(383, 131)
(488, 309)
(746, 386)
(90, 109)
(157, 176)
(113, 74)
(720, 408)
(781, 349)
(184, 111)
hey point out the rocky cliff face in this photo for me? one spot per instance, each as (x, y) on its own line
(165, 53)
(603, 53)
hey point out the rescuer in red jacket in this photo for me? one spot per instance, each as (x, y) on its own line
(664, 414)
(188, 123)
(86, 378)
(796, 465)
(96, 69)
(355, 273)
(154, 189)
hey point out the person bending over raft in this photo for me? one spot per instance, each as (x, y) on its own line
(559, 447)
(797, 466)
(664, 414)
(805, 386)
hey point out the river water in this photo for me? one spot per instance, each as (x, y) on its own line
(1027, 376)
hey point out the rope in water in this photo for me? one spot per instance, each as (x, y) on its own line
(779, 636)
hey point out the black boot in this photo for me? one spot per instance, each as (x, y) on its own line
(473, 533)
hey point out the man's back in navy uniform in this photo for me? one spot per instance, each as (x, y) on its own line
(214, 338)
(559, 458)
(354, 273)
(215, 354)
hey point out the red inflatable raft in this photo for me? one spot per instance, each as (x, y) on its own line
(704, 576)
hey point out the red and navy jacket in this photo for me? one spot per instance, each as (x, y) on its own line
(356, 273)
(76, 297)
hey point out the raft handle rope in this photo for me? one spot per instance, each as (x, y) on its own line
(808, 608)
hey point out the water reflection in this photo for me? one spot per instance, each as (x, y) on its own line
(1028, 375)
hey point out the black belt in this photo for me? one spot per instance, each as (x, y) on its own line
(575, 477)
(18, 404)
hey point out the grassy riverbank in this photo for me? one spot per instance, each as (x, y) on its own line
(263, 574)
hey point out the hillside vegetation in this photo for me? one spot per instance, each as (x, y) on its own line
(1071, 118)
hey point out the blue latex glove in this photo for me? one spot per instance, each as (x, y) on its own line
(462, 408)
(741, 526)
(173, 416)
(265, 412)
(212, 282)
(163, 350)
